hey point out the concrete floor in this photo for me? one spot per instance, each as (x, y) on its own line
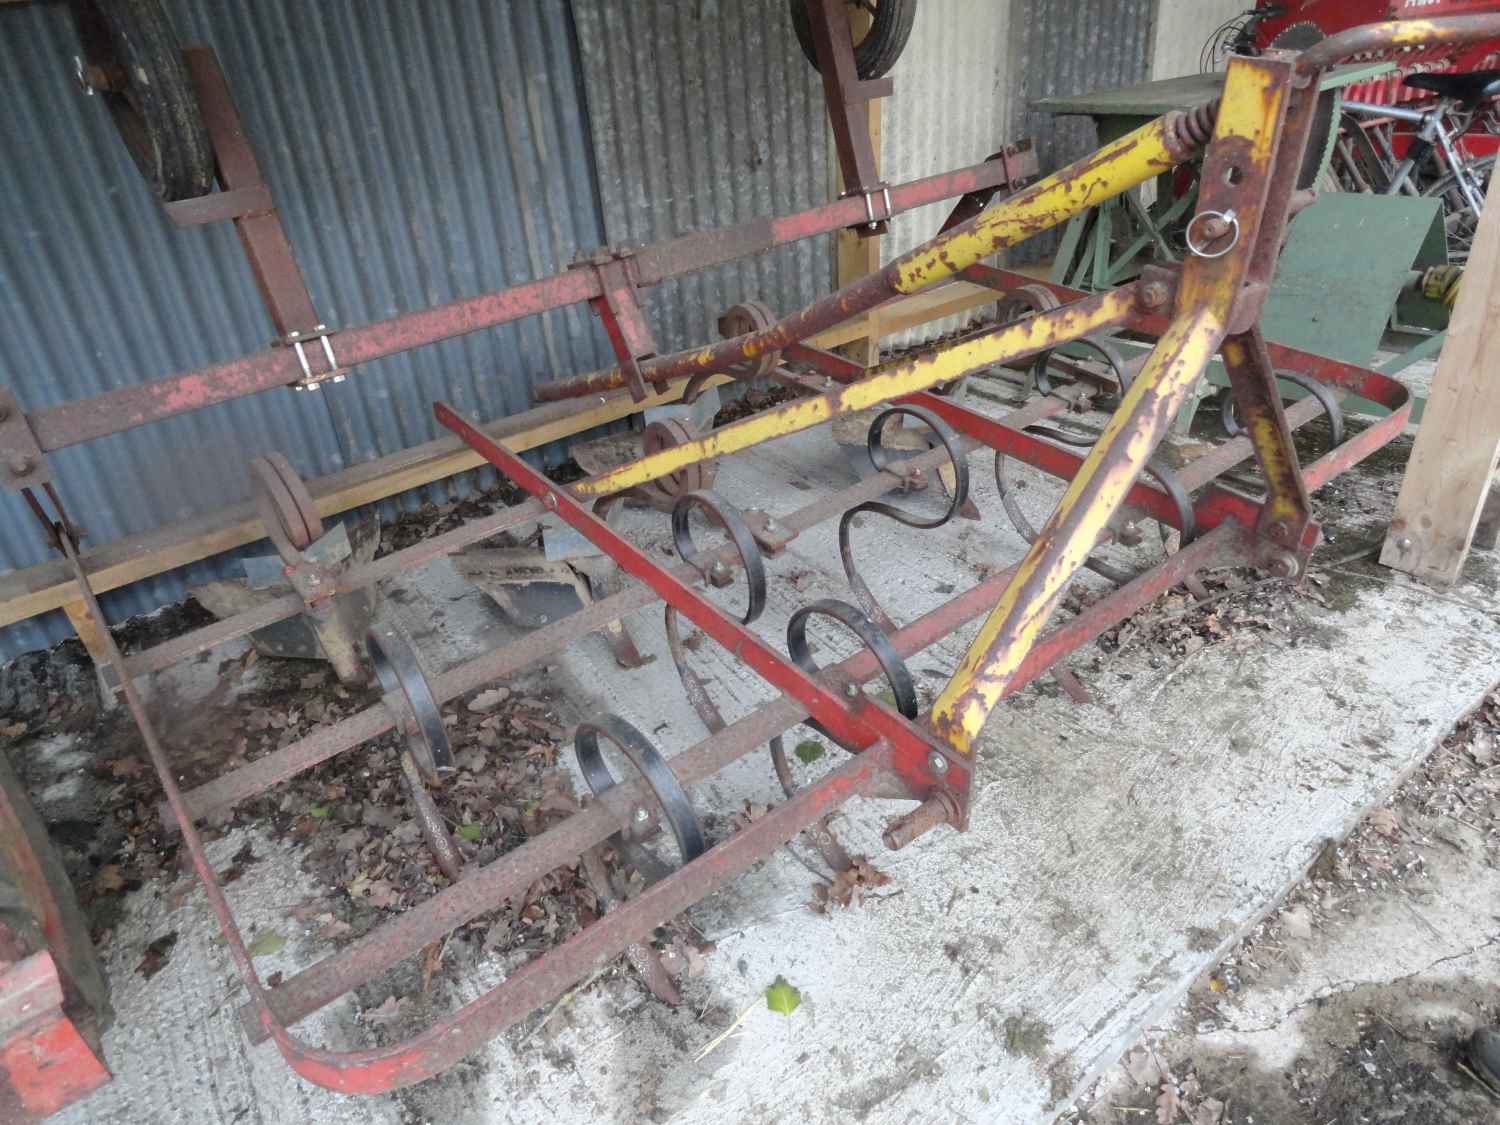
(1117, 850)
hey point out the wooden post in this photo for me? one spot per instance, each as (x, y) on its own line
(855, 257)
(1448, 476)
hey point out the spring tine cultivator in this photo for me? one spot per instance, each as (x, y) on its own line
(1251, 144)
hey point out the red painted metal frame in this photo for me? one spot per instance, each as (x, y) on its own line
(111, 412)
(46, 1063)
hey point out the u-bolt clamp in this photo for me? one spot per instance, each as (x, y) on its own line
(885, 192)
(298, 341)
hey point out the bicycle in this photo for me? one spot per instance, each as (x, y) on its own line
(1434, 164)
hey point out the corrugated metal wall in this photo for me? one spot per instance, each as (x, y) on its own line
(419, 152)
(1071, 48)
(705, 114)
(954, 105)
(966, 83)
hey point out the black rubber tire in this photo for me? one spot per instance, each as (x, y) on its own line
(877, 52)
(154, 107)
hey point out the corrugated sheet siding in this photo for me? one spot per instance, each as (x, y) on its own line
(1072, 48)
(419, 152)
(966, 82)
(705, 114)
(953, 107)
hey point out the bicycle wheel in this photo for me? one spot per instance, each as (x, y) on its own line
(1459, 217)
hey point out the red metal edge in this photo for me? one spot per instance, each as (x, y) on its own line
(45, 1062)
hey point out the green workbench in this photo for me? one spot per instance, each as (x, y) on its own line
(1107, 245)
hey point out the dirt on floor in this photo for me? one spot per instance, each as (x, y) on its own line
(1315, 1017)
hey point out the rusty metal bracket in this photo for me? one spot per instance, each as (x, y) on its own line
(22, 462)
(246, 198)
(849, 98)
(616, 274)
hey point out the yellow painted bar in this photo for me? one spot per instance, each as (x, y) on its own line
(1273, 447)
(1027, 337)
(1248, 123)
(1126, 163)
(1008, 634)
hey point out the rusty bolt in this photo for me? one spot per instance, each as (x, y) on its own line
(20, 464)
(1154, 294)
(1279, 530)
(937, 763)
(1284, 564)
(642, 814)
(851, 690)
(1214, 227)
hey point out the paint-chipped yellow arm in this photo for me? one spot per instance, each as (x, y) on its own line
(1126, 163)
(1028, 337)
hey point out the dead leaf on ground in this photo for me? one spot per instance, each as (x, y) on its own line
(1386, 821)
(15, 730)
(849, 886)
(489, 699)
(155, 957)
(108, 879)
(388, 1012)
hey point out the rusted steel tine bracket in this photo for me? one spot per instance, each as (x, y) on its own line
(282, 287)
(624, 322)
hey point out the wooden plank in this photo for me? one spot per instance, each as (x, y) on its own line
(1453, 459)
(48, 586)
(89, 629)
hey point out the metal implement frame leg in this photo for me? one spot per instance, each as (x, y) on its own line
(1237, 181)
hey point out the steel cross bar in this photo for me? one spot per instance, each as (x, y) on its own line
(858, 722)
(69, 423)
